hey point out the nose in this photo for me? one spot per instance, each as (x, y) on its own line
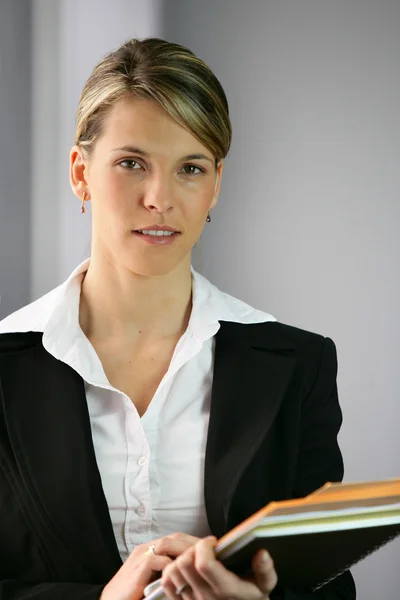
(158, 193)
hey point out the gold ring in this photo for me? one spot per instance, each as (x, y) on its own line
(151, 550)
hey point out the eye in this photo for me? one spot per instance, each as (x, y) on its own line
(192, 167)
(128, 162)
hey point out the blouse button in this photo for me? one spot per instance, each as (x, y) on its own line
(142, 461)
(141, 511)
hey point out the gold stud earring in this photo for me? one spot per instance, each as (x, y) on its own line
(208, 218)
(83, 209)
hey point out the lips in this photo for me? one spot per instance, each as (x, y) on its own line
(157, 240)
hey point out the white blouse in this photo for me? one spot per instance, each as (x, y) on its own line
(151, 467)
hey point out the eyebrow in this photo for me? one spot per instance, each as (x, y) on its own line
(135, 150)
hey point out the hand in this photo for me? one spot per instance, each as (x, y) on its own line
(140, 567)
(205, 578)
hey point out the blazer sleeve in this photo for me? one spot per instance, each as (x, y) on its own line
(319, 457)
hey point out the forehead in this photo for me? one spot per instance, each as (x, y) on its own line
(145, 124)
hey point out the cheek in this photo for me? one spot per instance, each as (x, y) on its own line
(111, 191)
(199, 199)
(204, 202)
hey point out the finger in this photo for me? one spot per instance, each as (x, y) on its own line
(172, 547)
(174, 544)
(208, 567)
(150, 565)
(174, 583)
(264, 571)
(154, 563)
(134, 576)
(185, 537)
(173, 578)
(220, 581)
(165, 546)
(202, 572)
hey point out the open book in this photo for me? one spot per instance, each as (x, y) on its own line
(313, 539)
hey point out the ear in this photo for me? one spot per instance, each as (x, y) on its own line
(77, 172)
(220, 168)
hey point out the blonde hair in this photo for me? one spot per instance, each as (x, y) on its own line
(166, 72)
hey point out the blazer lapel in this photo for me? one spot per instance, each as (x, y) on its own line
(45, 408)
(251, 375)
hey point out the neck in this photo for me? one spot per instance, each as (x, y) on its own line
(118, 304)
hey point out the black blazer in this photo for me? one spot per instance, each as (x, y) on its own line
(272, 435)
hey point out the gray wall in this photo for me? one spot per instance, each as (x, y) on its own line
(15, 154)
(308, 219)
(46, 124)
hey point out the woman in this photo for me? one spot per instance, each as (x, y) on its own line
(138, 400)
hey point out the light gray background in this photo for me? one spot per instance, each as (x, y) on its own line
(308, 218)
(15, 154)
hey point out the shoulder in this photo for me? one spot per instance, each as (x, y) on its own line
(313, 354)
(33, 316)
(309, 346)
(274, 334)
(299, 338)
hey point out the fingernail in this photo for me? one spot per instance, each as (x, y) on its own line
(264, 556)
